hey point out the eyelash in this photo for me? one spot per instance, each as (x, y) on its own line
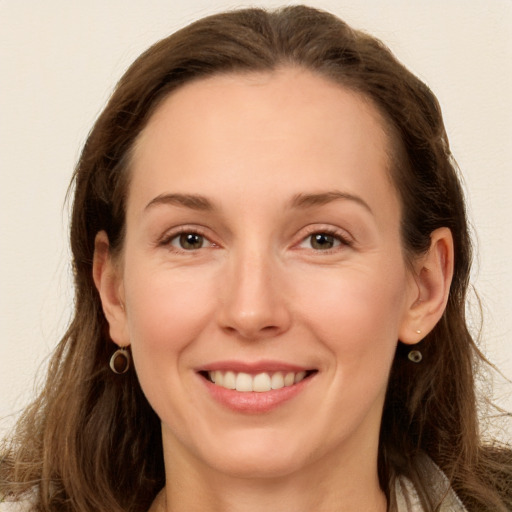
(342, 239)
(167, 239)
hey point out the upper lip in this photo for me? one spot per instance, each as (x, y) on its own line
(264, 366)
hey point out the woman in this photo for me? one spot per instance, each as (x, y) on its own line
(271, 258)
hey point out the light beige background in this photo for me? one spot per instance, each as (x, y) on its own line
(59, 60)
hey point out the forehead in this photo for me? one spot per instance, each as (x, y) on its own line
(288, 123)
(282, 90)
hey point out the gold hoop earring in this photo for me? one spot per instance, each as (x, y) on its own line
(120, 361)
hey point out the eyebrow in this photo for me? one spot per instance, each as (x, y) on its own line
(193, 201)
(202, 203)
(319, 199)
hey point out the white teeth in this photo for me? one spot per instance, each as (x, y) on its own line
(277, 381)
(229, 380)
(260, 383)
(299, 376)
(243, 382)
(219, 378)
(289, 379)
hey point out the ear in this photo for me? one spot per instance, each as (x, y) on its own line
(109, 284)
(432, 277)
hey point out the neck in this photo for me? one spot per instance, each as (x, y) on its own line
(348, 485)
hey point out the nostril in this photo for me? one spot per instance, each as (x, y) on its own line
(253, 308)
(252, 331)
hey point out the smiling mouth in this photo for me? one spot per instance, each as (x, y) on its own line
(259, 383)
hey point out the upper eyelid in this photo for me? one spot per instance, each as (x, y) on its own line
(172, 233)
(342, 243)
(343, 234)
(305, 232)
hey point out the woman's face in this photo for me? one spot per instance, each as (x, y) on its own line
(263, 251)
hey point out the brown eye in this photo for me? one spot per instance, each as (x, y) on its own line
(323, 241)
(190, 241)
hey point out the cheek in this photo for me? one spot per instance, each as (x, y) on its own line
(353, 297)
(166, 312)
(357, 321)
(356, 315)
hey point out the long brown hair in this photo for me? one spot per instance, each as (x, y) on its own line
(91, 441)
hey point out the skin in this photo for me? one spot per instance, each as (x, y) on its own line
(257, 288)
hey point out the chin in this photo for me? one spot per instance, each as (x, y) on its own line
(262, 456)
(258, 467)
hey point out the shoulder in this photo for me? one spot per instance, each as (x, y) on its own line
(24, 504)
(15, 506)
(407, 497)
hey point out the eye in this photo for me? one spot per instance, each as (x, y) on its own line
(187, 241)
(190, 241)
(323, 241)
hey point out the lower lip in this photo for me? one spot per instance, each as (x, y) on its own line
(254, 402)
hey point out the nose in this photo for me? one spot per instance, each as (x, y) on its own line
(253, 303)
